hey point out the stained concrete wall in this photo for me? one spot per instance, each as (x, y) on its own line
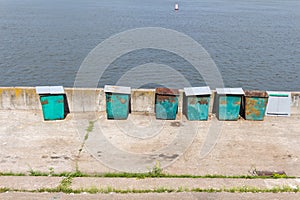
(91, 100)
(143, 100)
(20, 98)
(86, 99)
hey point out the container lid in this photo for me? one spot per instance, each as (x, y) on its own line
(49, 90)
(232, 91)
(167, 91)
(117, 89)
(255, 93)
(278, 94)
(192, 91)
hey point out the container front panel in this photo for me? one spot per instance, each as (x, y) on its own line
(53, 107)
(117, 106)
(255, 108)
(198, 108)
(229, 107)
(166, 107)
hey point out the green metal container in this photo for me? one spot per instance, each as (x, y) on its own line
(229, 103)
(117, 101)
(166, 103)
(255, 105)
(196, 103)
(53, 101)
(53, 107)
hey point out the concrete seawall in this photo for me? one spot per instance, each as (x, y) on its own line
(136, 144)
(93, 100)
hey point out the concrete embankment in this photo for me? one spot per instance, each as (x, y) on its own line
(88, 142)
(93, 100)
(79, 99)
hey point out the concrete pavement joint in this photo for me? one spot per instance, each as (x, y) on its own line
(78, 185)
(109, 189)
(88, 130)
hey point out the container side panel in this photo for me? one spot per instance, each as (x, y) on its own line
(53, 107)
(198, 108)
(229, 107)
(255, 108)
(117, 106)
(166, 107)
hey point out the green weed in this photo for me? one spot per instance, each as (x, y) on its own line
(2, 190)
(156, 170)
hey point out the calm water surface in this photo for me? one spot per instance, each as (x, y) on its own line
(255, 43)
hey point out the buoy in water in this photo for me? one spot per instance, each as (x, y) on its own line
(176, 6)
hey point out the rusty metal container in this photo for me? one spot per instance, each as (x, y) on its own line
(255, 104)
(196, 102)
(117, 101)
(166, 103)
(52, 99)
(229, 103)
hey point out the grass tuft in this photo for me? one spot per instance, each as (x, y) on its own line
(2, 190)
(65, 188)
(155, 173)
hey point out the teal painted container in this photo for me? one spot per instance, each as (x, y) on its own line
(53, 107)
(166, 103)
(255, 105)
(229, 103)
(197, 107)
(117, 106)
(196, 103)
(117, 102)
(229, 107)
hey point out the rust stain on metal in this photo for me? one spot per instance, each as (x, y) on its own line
(255, 93)
(195, 100)
(237, 103)
(252, 107)
(223, 102)
(123, 101)
(44, 102)
(161, 98)
(167, 91)
(251, 101)
(251, 110)
(203, 101)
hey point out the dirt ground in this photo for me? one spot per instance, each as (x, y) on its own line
(92, 144)
(183, 196)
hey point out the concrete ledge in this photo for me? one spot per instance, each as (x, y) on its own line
(93, 100)
(86, 99)
(143, 100)
(19, 98)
